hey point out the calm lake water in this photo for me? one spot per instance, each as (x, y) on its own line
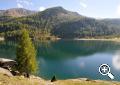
(72, 59)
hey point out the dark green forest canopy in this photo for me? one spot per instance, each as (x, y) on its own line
(61, 23)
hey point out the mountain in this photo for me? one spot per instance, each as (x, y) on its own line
(67, 24)
(16, 12)
(61, 23)
(112, 22)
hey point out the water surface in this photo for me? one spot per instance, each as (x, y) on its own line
(72, 59)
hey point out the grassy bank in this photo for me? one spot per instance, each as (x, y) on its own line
(19, 80)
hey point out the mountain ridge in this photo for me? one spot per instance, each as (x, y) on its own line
(16, 12)
(55, 8)
(62, 23)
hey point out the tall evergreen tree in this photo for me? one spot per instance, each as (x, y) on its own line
(26, 54)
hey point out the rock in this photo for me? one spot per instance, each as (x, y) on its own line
(15, 73)
(7, 63)
(34, 77)
(85, 79)
(22, 76)
(27, 75)
(6, 72)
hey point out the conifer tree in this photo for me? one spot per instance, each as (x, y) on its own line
(26, 54)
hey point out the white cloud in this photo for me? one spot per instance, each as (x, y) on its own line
(118, 10)
(24, 3)
(116, 61)
(41, 8)
(19, 5)
(82, 0)
(83, 5)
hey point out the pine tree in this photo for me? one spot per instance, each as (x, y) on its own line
(26, 54)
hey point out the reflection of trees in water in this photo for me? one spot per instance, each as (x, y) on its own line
(64, 49)
(45, 44)
(7, 49)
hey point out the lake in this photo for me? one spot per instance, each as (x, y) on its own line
(68, 59)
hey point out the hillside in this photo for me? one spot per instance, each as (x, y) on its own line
(16, 12)
(62, 23)
(112, 22)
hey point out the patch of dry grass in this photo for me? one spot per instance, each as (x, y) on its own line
(6, 80)
(82, 82)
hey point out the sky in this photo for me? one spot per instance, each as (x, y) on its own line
(90, 8)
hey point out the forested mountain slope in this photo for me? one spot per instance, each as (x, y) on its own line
(61, 23)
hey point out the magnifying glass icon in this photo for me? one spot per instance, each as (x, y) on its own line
(104, 69)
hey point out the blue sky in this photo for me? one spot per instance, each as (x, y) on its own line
(90, 8)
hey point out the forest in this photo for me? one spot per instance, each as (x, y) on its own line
(58, 23)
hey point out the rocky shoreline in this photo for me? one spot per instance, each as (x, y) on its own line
(7, 78)
(33, 80)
